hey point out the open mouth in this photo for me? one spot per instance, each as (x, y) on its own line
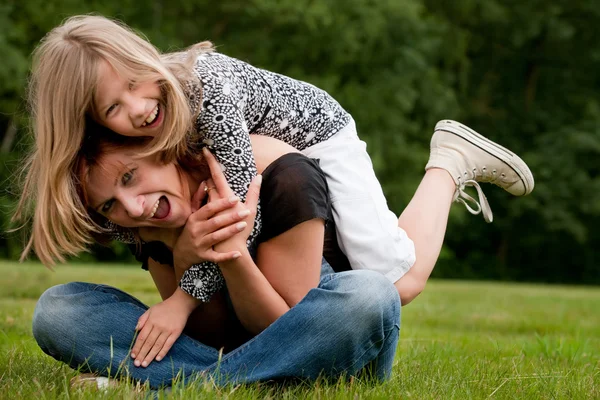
(161, 209)
(154, 117)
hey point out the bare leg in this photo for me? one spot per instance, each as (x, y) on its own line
(424, 220)
(459, 157)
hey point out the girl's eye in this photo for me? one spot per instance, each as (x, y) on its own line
(132, 85)
(107, 206)
(110, 109)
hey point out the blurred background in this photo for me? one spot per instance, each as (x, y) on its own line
(524, 73)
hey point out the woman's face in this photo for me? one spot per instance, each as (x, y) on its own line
(125, 107)
(135, 193)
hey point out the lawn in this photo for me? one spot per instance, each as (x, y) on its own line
(458, 340)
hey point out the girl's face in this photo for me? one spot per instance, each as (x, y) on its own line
(127, 108)
(136, 193)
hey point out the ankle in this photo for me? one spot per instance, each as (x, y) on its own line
(443, 177)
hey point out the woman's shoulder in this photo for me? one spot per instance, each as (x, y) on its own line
(294, 190)
(292, 170)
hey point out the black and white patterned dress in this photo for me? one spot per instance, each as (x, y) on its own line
(238, 100)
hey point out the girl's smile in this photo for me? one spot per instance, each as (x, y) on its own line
(126, 107)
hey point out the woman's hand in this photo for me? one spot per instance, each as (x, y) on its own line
(160, 326)
(236, 242)
(207, 226)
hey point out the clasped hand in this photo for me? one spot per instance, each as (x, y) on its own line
(221, 221)
(221, 218)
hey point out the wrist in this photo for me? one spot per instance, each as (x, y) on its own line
(237, 262)
(231, 245)
(183, 301)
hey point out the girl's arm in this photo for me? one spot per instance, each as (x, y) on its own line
(224, 130)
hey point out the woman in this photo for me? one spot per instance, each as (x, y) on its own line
(304, 324)
(260, 295)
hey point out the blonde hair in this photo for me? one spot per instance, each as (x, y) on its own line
(61, 91)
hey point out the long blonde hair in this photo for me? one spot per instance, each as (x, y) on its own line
(61, 91)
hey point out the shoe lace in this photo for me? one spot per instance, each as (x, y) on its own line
(484, 174)
(473, 206)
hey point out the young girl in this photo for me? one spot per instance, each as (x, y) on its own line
(94, 70)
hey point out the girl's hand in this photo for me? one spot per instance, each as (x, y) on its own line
(206, 227)
(159, 327)
(235, 242)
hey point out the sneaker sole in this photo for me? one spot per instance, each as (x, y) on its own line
(485, 144)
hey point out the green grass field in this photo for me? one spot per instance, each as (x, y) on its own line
(458, 340)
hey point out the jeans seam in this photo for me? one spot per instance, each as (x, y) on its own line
(386, 336)
(137, 302)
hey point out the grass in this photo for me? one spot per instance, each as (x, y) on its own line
(458, 340)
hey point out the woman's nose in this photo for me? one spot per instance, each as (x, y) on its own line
(134, 206)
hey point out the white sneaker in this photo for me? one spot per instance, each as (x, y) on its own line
(93, 381)
(471, 158)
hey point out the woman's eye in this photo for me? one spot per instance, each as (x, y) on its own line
(107, 206)
(127, 176)
(132, 85)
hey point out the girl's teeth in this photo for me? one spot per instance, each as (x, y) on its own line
(151, 117)
(154, 209)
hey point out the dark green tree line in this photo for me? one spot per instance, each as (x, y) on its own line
(522, 73)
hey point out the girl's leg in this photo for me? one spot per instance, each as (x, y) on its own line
(369, 233)
(424, 220)
(459, 157)
(367, 230)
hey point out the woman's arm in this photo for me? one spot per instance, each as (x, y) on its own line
(292, 259)
(288, 267)
(163, 277)
(163, 323)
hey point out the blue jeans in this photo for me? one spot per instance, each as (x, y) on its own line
(350, 322)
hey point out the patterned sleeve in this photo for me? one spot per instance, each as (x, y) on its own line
(224, 131)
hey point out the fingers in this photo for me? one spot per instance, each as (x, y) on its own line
(224, 257)
(253, 192)
(214, 207)
(199, 196)
(149, 342)
(217, 174)
(156, 348)
(166, 347)
(140, 341)
(212, 191)
(224, 233)
(142, 321)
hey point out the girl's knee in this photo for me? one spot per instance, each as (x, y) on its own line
(409, 287)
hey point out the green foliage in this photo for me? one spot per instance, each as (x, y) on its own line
(522, 73)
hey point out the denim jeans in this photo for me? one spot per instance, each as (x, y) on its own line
(349, 322)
